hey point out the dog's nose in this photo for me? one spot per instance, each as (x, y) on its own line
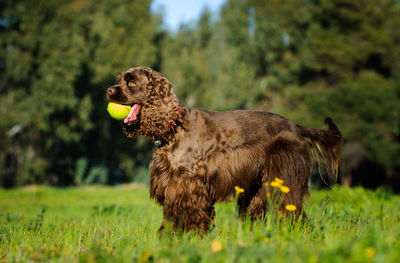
(111, 91)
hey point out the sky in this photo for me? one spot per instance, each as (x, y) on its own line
(177, 11)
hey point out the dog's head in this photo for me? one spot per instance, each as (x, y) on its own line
(154, 104)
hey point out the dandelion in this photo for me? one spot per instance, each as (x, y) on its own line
(276, 184)
(266, 184)
(285, 189)
(239, 190)
(280, 181)
(268, 194)
(216, 245)
(370, 252)
(290, 208)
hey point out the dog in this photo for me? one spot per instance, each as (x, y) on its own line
(202, 155)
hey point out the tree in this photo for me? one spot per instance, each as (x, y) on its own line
(349, 71)
(59, 57)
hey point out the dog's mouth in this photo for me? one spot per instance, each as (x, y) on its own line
(133, 115)
(131, 123)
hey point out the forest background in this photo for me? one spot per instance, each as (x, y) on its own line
(303, 59)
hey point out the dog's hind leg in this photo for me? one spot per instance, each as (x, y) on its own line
(289, 160)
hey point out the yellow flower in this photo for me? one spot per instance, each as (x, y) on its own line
(216, 245)
(370, 252)
(278, 180)
(266, 184)
(290, 208)
(239, 190)
(268, 195)
(285, 189)
(276, 184)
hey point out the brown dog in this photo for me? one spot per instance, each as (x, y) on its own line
(203, 155)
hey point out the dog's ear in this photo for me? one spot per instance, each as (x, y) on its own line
(158, 86)
(159, 89)
(161, 107)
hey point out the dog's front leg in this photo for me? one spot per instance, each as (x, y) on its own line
(187, 205)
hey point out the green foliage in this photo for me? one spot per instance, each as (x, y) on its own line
(120, 224)
(352, 56)
(304, 59)
(60, 57)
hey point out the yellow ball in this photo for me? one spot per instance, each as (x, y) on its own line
(118, 111)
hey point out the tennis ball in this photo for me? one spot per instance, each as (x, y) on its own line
(118, 111)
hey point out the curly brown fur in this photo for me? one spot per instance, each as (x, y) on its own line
(205, 154)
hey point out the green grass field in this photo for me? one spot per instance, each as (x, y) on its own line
(119, 224)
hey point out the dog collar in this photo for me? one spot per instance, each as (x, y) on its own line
(171, 128)
(172, 123)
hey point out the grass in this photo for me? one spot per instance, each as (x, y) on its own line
(119, 224)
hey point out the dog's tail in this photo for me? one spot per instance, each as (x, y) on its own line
(325, 148)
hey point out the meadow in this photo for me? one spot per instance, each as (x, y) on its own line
(119, 224)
